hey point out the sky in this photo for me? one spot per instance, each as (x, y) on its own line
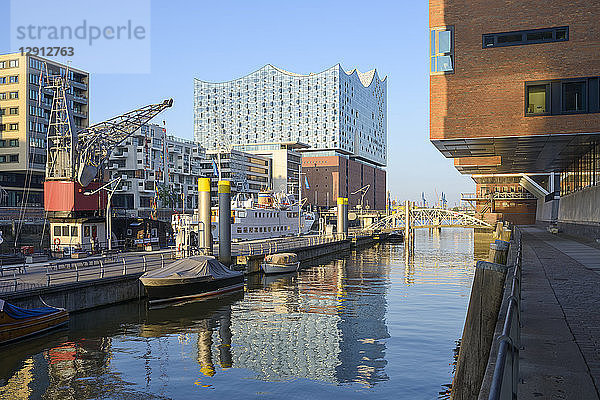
(224, 40)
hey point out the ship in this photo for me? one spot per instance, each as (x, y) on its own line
(272, 216)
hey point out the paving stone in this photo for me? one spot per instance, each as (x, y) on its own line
(560, 317)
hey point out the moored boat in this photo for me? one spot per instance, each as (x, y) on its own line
(395, 237)
(192, 277)
(280, 263)
(18, 323)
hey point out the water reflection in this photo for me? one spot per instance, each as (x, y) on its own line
(375, 320)
(325, 323)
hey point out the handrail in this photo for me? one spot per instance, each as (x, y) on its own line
(79, 271)
(505, 380)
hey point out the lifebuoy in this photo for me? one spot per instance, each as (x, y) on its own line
(57, 243)
(179, 246)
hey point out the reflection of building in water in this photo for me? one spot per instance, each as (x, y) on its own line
(71, 362)
(330, 327)
(18, 386)
(481, 244)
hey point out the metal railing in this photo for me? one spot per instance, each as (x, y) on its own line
(84, 270)
(505, 380)
(277, 245)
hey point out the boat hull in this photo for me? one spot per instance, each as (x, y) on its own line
(12, 329)
(269, 268)
(168, 291)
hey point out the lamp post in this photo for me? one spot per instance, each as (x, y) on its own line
(110, 190)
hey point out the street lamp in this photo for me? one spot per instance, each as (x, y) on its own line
(108, 187)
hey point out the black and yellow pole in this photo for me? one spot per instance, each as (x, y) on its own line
(340, 217)
(225, 222)
(204, 214)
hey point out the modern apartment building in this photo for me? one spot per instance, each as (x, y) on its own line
(159, 174)
(515, 101)
(25, 106)
(286, 163)
(248, 173)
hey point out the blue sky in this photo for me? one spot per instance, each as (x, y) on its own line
(218, 41)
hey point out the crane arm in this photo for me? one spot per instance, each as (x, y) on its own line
(95, 143)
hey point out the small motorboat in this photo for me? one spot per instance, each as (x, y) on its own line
(280, 263)
(395, 237)
(192, 277)
(18, 323)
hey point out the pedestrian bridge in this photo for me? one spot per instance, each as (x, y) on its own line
(428, 218)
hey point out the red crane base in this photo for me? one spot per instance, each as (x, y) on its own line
(69, 196)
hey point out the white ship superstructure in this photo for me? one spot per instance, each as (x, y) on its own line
(270, 217)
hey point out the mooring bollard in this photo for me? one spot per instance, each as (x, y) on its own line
(224, 189)
(204, 214)
(498, 252)
(124, 266)
(145, 265)
(162, 260)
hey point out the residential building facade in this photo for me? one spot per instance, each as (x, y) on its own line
(286, 163)
(248, 173)
(515, 97)
(25, 105)
(159, 174)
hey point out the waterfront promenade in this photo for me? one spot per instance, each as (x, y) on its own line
(560, 337)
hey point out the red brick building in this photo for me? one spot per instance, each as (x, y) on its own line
(334, 176)
(514, 90)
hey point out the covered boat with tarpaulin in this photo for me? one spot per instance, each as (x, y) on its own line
(18, 323)
(191, 277)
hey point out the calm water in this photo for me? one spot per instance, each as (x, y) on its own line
(367, 324)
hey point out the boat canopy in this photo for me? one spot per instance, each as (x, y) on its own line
(193, 267)
(281, 258)
(22, 313)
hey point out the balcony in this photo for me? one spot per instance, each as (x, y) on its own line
(79, 85)
(120, 154)
(79, 114)
(80, 99)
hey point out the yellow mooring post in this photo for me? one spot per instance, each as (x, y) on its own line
(340, 217)
(204, 214)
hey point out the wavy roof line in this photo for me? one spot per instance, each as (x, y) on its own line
(365, 78)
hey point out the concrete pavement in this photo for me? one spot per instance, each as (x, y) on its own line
(560, 316)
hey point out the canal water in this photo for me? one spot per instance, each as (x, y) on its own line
(371, 323)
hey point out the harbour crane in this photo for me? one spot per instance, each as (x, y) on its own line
(363, 191)
(73, 164)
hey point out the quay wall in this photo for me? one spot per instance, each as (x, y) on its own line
(579, 213)
(487, 293)
(84, 295)
(77, 296)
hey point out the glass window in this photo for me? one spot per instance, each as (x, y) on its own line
(86, 231)
(524, 37)
(441, 49)
(562, 34)
(74, 231)
(445, 42)
(536, 99)
(65, 231)
(574, 96)
(543, 35)
(510, 38)
(57, 231)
